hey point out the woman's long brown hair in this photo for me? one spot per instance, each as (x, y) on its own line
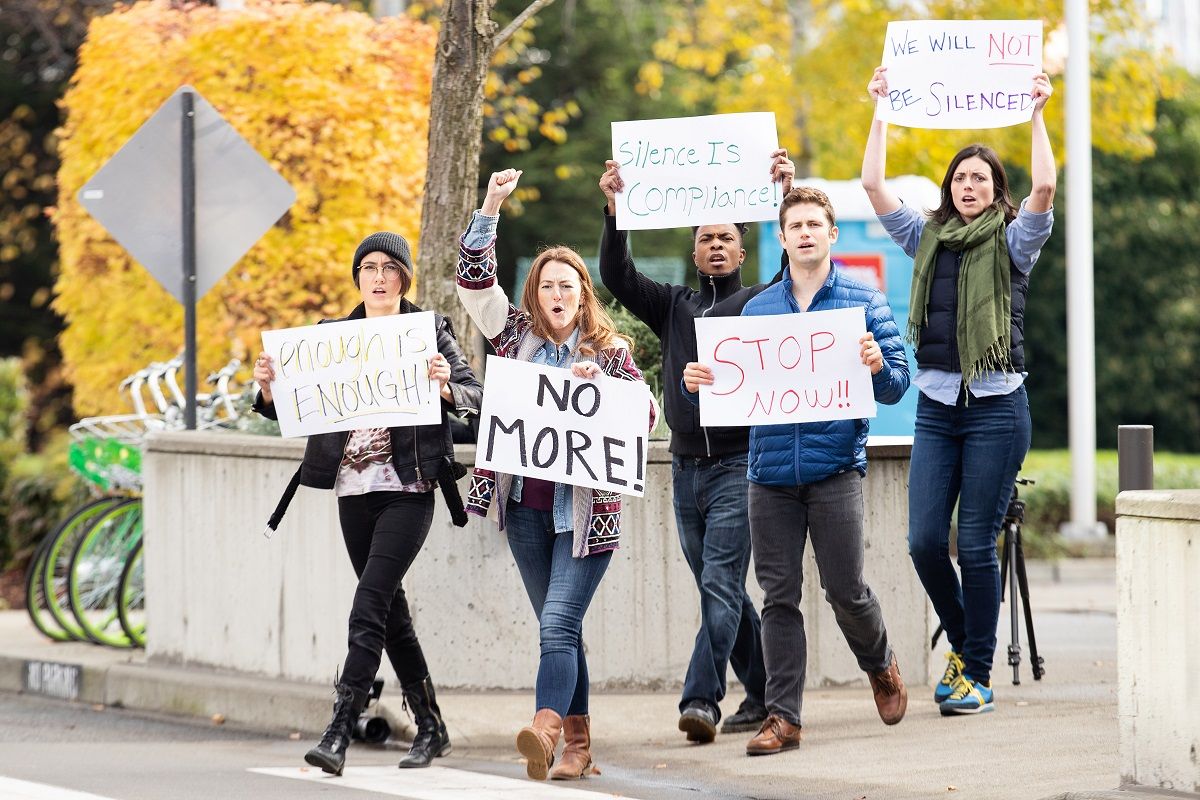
(596, 328)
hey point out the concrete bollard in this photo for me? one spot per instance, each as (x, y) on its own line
(1135, 457)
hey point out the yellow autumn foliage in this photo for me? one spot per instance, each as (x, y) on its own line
(336, 101)
(810, 62)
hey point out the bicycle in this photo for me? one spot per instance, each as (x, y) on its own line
(86, 579)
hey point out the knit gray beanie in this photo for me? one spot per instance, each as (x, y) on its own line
(391, 244)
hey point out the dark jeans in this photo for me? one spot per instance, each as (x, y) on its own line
(969, 454)
(714, 531)
(830, 513)
(384, 532)
(560, 588)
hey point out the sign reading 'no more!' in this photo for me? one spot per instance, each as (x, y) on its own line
(543, 422)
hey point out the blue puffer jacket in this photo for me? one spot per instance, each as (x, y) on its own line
(791, 455)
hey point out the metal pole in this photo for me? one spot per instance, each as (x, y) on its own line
(1135, 457)
(188, 182)
(1081, 348)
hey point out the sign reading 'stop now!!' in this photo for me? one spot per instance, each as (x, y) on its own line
(696, 170)
(960, 73)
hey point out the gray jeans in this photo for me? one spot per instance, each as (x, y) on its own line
(830, 512)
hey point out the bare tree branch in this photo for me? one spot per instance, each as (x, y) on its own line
(519, 20)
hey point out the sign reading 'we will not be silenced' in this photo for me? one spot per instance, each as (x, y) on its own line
(696, 170)
(543, 422)
(357, 373)
(960, 73)
(784, 368)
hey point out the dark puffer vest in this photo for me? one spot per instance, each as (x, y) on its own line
(938, 347)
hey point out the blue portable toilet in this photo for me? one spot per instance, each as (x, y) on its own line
(868, 254)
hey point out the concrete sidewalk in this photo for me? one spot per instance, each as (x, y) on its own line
(1055, 737)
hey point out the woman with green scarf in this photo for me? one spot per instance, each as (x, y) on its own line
(972, 258)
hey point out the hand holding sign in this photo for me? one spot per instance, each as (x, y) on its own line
(785, 368)
(694, 171)
(959, 73)
(379, 372)
(574, 426)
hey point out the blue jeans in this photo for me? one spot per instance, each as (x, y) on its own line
(714, 531)
(969, 454)
(560, 588)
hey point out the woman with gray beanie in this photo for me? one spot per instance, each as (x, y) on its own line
(384, 479)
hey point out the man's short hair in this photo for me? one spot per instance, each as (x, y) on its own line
(741, 227)
(806, 194)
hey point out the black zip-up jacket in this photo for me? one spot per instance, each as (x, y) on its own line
(670, 311)
(419, 452)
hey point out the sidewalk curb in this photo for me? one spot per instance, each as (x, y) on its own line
(263, 704)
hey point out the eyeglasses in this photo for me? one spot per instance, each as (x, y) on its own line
(391, 270)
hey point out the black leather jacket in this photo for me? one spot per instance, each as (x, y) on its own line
(419, 452)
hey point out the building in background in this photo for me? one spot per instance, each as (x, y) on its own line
(1177, 28)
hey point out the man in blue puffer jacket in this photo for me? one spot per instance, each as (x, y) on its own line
(806, 482)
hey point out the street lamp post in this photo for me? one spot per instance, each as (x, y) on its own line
(1081, 327)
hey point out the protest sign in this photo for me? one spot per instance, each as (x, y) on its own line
(358, 373)
(784, 368)
(696, 170)
(960, 73)
(543, 422)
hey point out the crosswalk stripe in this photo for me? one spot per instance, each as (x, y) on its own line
(13, 789)
(438, 783)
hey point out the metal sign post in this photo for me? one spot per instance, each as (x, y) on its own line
(188, 197)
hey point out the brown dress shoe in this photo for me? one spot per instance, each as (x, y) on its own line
(576, 761)
(891, 697)
(775, 736)
(537, 742)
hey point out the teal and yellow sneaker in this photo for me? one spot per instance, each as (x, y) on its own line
(945, 687)
(968, 697)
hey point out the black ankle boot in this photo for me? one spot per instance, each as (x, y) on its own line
(431, 740)
(330, 753)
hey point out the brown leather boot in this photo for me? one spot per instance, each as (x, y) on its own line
(576, 761)
(775, 736)
(537, 742)
(891, 696)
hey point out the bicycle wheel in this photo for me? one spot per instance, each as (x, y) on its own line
(94, 575)
(131, 598)
(46, 587)
(35, 598)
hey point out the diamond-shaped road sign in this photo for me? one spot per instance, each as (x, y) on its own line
(136, 196)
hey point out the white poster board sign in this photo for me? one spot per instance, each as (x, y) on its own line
(360, 373)
(960, 73)
(543, 422)
(696, 170)
(784, 368)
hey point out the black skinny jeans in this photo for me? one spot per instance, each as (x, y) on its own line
(384, 532)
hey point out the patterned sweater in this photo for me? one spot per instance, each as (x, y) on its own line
(597, 513)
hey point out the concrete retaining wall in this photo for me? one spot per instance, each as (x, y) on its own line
(219, 594)
(1158, 638)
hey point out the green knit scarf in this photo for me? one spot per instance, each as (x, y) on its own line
(984, 290)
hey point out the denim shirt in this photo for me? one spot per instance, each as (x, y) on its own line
(479, 233)
(1025, 236)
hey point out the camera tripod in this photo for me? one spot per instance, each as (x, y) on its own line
(1012, 575)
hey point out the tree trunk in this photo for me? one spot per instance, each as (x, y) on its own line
(465, 46)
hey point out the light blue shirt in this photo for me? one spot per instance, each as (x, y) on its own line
(479, 233)
(1026, 235)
